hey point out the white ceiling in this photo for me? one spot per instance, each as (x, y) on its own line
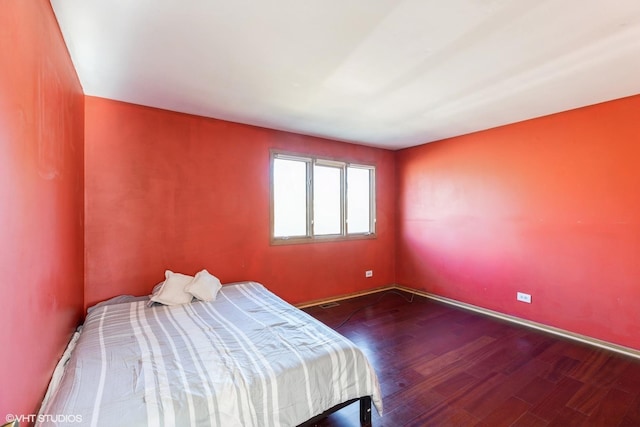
(385, 73)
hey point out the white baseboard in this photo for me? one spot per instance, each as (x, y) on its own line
(345, 296)
(627, 351)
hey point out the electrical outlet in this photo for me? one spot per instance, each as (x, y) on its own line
(520, 296)
(368, 273)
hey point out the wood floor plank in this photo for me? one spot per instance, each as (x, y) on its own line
(568, 417)
(444, 415)
(474, 400)
(612, 409)
(507, 413)
(591, 366)
(470, 350)
(397, 380)
(632, 417)
(556, 400)
(409, 405)
(534, 391)
(588, 398)
(529, 420)
(443, 366)
(629, 379)
(560, 367)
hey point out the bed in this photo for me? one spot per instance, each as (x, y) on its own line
(246, 359)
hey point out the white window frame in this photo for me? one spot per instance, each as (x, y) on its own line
(309, 236)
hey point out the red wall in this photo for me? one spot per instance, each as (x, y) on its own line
(41, 202)
(550, 207)
(169, 190)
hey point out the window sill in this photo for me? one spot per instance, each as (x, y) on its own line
(320, 239)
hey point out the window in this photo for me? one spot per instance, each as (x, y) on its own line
(314, 199)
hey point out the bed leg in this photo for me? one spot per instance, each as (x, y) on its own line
(365, 411)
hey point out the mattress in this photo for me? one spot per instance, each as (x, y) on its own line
(246, 359)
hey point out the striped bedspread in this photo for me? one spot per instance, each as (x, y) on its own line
(246, 359)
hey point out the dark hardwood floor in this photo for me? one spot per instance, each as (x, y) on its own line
(443, 366)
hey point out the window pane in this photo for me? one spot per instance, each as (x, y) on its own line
(326, 200)
(358, 200)
(289, 198)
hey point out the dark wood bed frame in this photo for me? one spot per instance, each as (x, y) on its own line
(365, 412)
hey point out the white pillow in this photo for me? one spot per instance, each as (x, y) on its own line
(172, 292)
(204, 286)
(157, 288)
